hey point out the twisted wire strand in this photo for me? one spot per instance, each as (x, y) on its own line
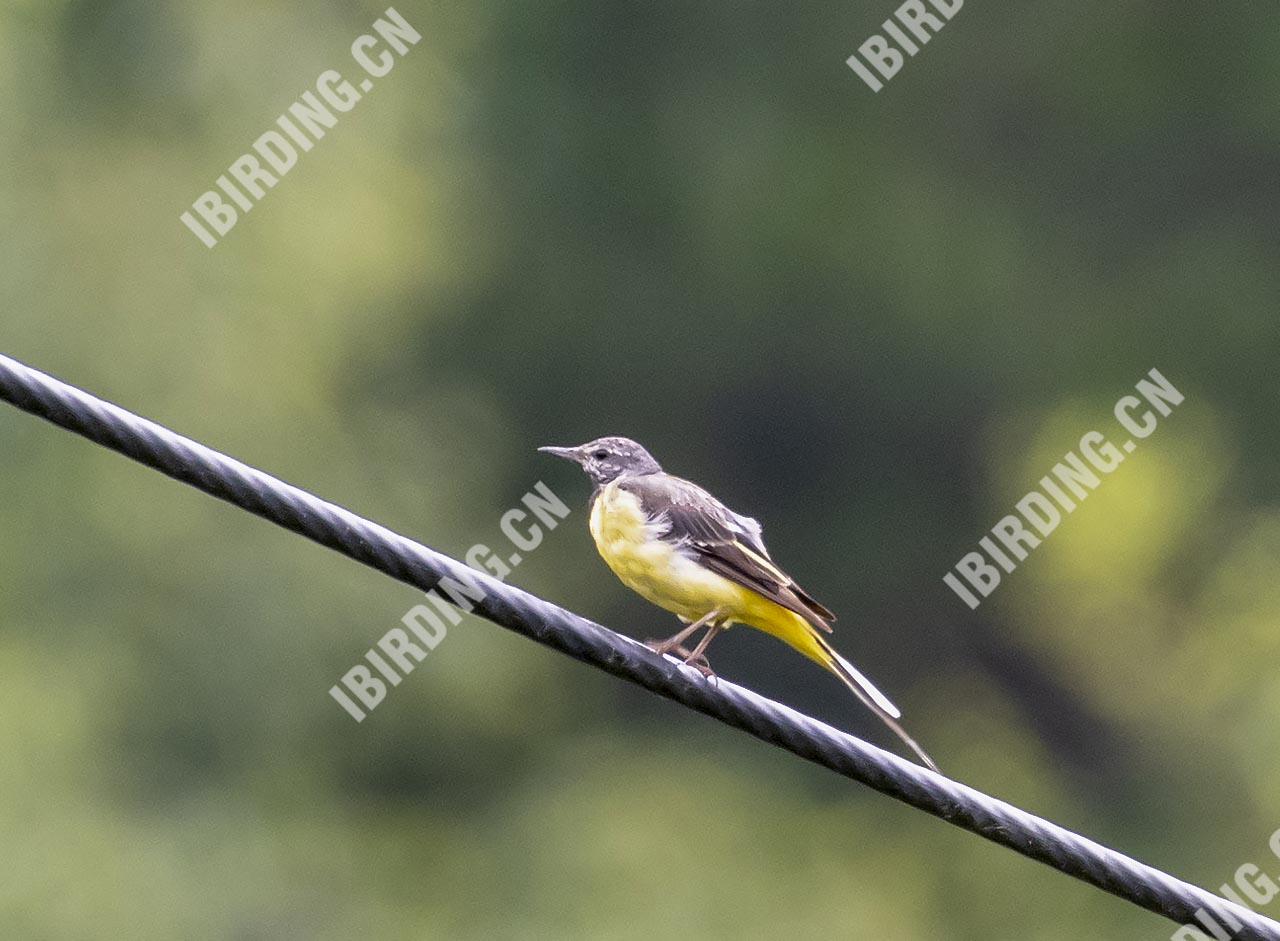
(403, 559)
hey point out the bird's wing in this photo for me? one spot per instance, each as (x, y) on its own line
(725, 542)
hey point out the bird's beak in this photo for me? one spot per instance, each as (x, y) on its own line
(569, 454)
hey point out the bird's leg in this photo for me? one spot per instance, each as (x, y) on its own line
(671, 643)
(696, 658)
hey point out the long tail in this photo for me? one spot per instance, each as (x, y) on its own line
(871, 697)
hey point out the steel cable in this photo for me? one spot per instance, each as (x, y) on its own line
(378, 547)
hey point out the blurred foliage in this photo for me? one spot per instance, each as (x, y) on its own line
(873, 321)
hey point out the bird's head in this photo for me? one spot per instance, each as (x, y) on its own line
(607, 459)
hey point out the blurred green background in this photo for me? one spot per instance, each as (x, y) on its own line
(872, 321)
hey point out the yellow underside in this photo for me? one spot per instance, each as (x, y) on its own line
(672, 580)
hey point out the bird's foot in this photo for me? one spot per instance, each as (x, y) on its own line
(684, 654)
(698, 661)
(674, 642)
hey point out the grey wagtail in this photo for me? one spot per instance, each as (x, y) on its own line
(679, 547)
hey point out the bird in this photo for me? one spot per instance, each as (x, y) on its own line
(677, 546)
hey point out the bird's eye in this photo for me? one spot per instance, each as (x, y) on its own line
(600, 455)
